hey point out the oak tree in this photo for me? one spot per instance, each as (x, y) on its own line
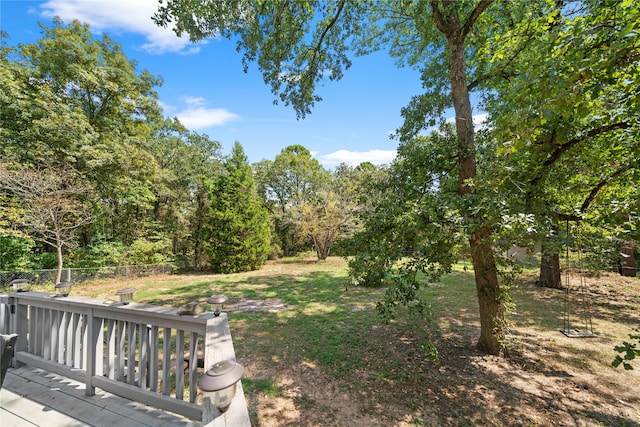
(299, 45)
(290, 186)
(566, 116)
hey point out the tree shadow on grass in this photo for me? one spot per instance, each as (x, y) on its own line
(382, 371)
(295, 290)
(332, 342)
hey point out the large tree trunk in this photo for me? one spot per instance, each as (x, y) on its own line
(322, 250)
(488, 290)
(59, 271)
(550, 270)
(487, 286)
(627, 259)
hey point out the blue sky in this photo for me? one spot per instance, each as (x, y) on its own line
(206, 88)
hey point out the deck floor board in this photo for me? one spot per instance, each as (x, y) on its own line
(33, 397)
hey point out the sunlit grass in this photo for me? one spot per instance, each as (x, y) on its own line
(337, 332)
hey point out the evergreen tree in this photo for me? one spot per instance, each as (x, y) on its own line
(239, 231)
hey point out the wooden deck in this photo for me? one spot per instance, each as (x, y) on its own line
(34, 397)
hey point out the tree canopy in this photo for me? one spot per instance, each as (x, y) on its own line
(565, 116)
(558, 81)
(74, 103)
(459, 47)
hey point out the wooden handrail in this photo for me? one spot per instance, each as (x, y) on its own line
(136, 350)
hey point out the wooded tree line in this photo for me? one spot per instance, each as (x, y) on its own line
(89, 164)
(558, 80)
(92, 174)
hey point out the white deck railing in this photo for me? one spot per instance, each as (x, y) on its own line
(142, 352)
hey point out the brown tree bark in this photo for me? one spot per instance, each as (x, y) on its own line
(60, 261)
(491, 309)
(550, 270)
(627, 259)
(492, 330)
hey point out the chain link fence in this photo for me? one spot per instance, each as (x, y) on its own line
(77, 275)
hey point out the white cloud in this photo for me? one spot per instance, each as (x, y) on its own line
(478, 120)
(202, 118)
(354, 158)
(127, 16)
(193, 101)
(196, 116)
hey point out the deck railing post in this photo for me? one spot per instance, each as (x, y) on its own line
(218, 347)
(94, 352)
(20, 324)
(213, 331)
(6, 304)
(71, 337)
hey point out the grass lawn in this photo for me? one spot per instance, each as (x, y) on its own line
(317, 354)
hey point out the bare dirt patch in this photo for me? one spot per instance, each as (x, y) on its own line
(243, 305)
